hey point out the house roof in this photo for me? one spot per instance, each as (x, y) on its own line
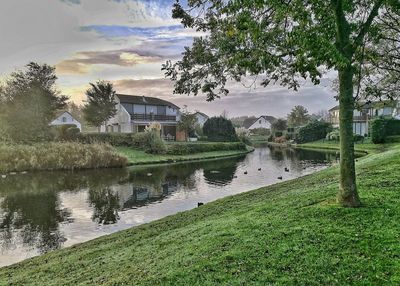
(334, 108)
(270, 119)
(58, 114)
(201, 113)
(137, 99)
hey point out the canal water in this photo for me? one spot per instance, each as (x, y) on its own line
(44, 211)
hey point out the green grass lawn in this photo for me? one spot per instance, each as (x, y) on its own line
(367, 146)
(140, 157)
(290, 233)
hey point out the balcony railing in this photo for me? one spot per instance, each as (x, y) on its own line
(362, 118)
(152, 117)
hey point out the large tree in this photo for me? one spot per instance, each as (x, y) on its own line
(298, 116)
(29, 102)
(282, 42)
(101, 104)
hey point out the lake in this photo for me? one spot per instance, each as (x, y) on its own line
(44, 211)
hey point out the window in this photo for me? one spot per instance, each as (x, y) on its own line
(64, 119)
(259, 122)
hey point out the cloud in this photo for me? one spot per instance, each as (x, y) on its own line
(82, 62)
(111, 31)
(71, 1)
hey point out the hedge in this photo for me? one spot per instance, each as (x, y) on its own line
(313, 131)
(190, 148)
(382, 127)
(114, 139)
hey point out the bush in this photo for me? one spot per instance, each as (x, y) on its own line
(243, 135)
(383, 127)
(392, 127)
(378, 130)
(219, 129)
(333, 135)
(190, 148)
(281, 139)
(358, 138)
(67, 132)
(278, 134)
(313, 131)
(58, 156)
(261, 131)
(114, 139)
(155, 145)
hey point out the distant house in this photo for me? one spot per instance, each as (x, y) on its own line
(66, 118)
(135, 112)
(366, 113)
(263, 122)
(201, 118)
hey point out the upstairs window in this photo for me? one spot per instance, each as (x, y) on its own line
(64, 119)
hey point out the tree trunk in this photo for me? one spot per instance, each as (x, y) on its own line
(347, 196)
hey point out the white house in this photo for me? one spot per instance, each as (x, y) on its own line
(201, 118)
(367, 112)
(135, 112)
(66, 118)
(263, 122)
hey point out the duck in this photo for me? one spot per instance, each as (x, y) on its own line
(259, 169)
(199, 204)
(280, 178)
(245, 172)
(286, 169)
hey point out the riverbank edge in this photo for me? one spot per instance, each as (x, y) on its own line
(207, 157)
(68, 265)
(325, 147)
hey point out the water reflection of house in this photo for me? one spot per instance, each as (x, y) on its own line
(131, 195)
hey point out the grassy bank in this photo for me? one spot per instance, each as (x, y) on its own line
(137, 157)
(287, 234)
(58, 156)
(366, 147)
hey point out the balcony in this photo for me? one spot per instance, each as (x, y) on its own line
(360, 118)
(152, 117)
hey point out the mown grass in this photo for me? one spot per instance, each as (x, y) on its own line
(136, 157)
(366, 147)
(290, 233)
(58, 156)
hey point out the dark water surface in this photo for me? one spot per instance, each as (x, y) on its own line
(44, 211)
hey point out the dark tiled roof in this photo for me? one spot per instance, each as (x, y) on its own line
(137, 99)
(270, 119)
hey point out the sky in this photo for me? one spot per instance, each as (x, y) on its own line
(126, 42)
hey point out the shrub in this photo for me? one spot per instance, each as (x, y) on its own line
(219, 129)
(155, 145)
(382, 127)
(333, 135)
(114, 139)
(278, 134)
(58, 156)
(313, 131)
(190, 148)
(378, 130)
(392, 127)
(243, 135)
(67, 132)
(281, 139)
(261, 131)
(358, 138)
